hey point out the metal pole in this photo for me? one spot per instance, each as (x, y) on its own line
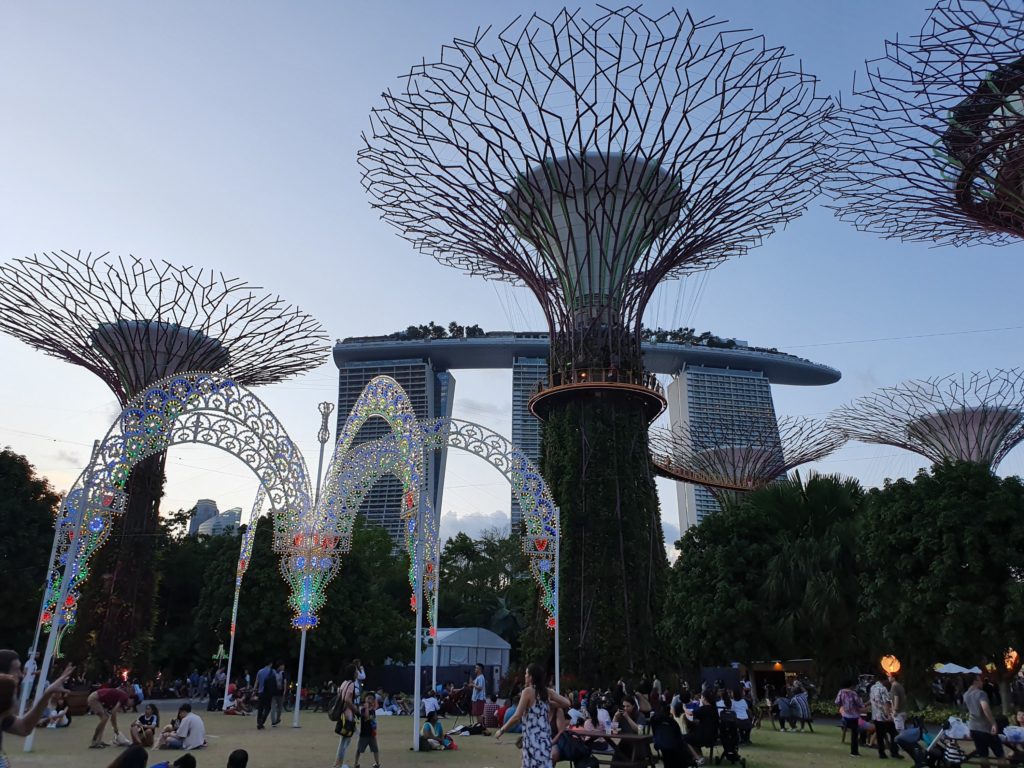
(69, 569)
(322, 436)
(231, 645)
(558, 594)
(417, 686)
(26, 687)
(437, 590)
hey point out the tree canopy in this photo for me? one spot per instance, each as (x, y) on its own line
(943, 563)
(28, 508)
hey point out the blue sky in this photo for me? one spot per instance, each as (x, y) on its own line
(224, 135)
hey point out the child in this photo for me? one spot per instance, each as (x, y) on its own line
(144, 729)
(368, 729)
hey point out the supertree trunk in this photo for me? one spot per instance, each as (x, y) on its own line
(613, 562)
(118, 608)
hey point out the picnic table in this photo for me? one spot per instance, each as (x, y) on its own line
(633, 750)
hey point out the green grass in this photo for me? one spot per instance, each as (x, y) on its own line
(314, 746)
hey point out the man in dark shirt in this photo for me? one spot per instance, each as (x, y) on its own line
(266, 689)
(705, 724)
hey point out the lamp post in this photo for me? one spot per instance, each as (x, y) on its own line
(323, 436)
(417, 684)
(558, 592)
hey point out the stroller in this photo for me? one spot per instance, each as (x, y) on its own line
(729, 738)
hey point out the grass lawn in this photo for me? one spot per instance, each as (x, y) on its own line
(314, 746)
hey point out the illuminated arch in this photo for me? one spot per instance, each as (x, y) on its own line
(198, 408)
(354, 470)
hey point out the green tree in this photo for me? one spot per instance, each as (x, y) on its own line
(772, 575)
(943, 562)
(28, 508)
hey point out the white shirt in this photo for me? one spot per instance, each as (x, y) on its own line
(739, 706)
(31, 667)
(431, 704)
(479, 689)
(191, 731)
(604, 718)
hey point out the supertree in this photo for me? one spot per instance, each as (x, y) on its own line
(133, 322)
(976, 417)
(932, 147)
(590, 161)
(741, 452)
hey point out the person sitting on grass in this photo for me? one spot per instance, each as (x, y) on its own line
(144, 729)
(189, 734)
(432, 735)
(491, 712)
(517, 728)
(56, 714)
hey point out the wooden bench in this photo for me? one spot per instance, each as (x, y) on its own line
(635, 749)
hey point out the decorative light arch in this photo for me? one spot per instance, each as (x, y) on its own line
(193, 408)
(354, 470)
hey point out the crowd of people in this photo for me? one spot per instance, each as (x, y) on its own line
(185, 733)
(895, 734)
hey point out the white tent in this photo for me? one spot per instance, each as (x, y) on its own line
(955, 669)
(467, 646)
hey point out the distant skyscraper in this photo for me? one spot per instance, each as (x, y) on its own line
(699, 396)
(206, 509)
(225, 523)
(527, 372)
(431, 393)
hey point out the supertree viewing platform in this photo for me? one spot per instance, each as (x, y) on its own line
(132, 323)
(977, 417)
(743, 452)
(932, 147)
(590, 160)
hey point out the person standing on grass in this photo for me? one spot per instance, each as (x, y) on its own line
(368, 729)
(881, 716)
(982, 723)
(345, 727)
(106, 703)
(534, 701)
(266, 689)
(479, 697)
(850, 705)
(898, 694)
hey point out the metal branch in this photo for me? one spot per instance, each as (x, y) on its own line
(741, 451)
(134, 322)
(590, 160)
(975, 417)
(932, 147)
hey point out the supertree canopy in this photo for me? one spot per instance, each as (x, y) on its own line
(932, 147)
(132, 323)
(743, 451)
(977, 417)
(590, 160)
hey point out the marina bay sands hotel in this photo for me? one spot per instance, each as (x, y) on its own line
(707, 383)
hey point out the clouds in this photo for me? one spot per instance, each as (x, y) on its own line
(473, 524)
(69, 457)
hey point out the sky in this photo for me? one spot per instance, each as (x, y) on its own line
(224, 135)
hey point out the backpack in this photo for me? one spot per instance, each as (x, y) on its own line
(337, 705)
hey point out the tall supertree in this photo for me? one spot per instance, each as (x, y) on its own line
(590, 160)
(931, 148)
(976, 417)
(133, 322)
(741, 452)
